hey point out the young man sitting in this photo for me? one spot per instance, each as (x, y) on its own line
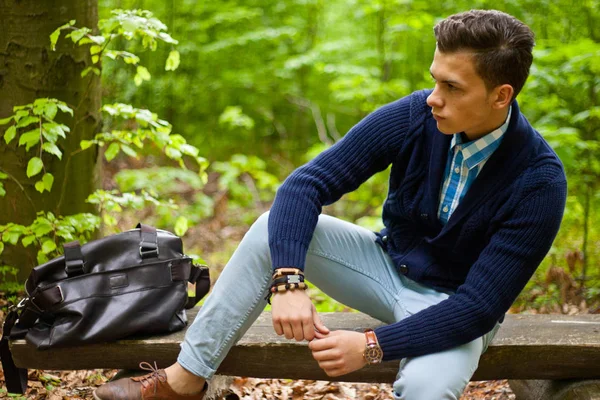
(476, 197)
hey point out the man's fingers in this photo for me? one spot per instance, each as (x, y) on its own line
(320, 345)
(320, 335)
(287, 330)
(318, 323)
(277, 326)
(297, 329)
(325, 355)
(308, 329)
(330, 365)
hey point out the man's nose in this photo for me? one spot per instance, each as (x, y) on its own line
(434, 100)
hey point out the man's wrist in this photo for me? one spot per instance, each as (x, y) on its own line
(373, 353)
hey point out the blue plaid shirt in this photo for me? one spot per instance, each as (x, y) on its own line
(465, 161)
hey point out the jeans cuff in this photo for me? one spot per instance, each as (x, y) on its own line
(194, 366)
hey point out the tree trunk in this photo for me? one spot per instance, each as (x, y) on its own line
(29, 69)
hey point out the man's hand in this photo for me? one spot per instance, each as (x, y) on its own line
(295, 316)
(339, 352)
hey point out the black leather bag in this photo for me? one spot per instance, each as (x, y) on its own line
(132, 283)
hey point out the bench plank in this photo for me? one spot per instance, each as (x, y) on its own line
(526, 347)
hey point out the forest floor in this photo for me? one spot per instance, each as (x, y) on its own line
(71, 385)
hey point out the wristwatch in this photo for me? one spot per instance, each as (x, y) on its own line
(373, 353)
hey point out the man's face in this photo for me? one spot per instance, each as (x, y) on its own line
(460, 101)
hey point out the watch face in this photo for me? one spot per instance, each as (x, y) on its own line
(373, 354)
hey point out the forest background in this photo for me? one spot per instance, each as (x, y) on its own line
(193, 130)
(259, 88)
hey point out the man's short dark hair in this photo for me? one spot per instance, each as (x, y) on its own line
(501, 45)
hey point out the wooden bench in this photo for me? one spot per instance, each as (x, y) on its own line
(547, 356)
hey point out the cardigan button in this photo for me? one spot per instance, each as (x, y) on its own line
(403, 269)
(384, 239)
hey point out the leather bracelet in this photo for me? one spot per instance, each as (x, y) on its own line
(279, 272)
(288, 279)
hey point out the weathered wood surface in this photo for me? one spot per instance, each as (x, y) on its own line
(556, 390)
(526, 347)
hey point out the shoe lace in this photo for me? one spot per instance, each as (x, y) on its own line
(154, 377)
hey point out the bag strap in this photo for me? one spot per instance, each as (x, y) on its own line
(149, 241)
(16, 378)
(200, 276)
(74, 263)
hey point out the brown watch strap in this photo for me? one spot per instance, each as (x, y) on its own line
(371, 337)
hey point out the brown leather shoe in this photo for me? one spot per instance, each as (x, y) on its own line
(150, 386)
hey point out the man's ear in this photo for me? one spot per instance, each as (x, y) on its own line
(504, 94)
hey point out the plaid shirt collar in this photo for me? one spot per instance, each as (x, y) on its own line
(480, 150)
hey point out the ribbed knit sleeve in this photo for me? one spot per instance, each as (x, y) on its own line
(492, 284)
(369, 147)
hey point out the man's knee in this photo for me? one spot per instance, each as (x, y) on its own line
(448, 386)
(438, 376)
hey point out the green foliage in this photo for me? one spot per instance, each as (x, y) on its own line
(143, 126)
(48, 232)
(129, 25)
(246, 180)
(181, 187)
(35, 127)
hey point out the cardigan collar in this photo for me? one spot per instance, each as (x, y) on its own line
(508, 161)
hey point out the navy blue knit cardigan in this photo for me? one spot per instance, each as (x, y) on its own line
(486, 253)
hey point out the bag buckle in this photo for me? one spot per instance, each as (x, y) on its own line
(148, 249)
(20, 305)
(74, 267)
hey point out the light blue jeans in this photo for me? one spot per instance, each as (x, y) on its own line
(344, 261)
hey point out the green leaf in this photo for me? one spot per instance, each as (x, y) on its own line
(128, 150)
(54, 35)
(88, 70)
(10, 134)
(142, 75)
(48, 180)
(34, 166)
(54, 38)
(41, 258)
(97, 39)
(21, 113)
(112, 151)
(65, 108)
(86, 144)
(11, 237)
(6, 120)
(172, 61)
(95, 49)
(1, 247)
(78, 34)
(39, 186)
(2, 191)
(27, 240)
(27, 121)
(30, 138)
(43, 228)
(51, 148)
(50, 110)
(181, 226)
(48, 246)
